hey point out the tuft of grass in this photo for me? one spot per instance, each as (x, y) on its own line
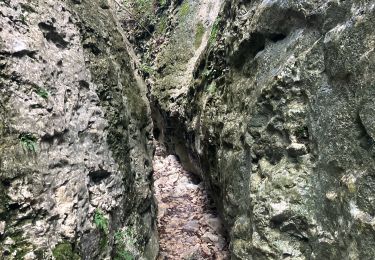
(214, 31)
(211, 88)
(23, 18)
(147, 69)
(124, 240)
(28, 141)
(199, 31)
(41, 92)
(100, 221)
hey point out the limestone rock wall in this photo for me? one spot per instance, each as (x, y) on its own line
(75, 141)
(278, 118)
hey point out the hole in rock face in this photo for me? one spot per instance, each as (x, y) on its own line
(51, 34)
(99, 175)
(14, 206)
(275, 37)
(6, 183)
(188, 223)
(248, 49)
(156, 132)
(195, 179)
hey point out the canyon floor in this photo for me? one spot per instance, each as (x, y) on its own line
(188, 225)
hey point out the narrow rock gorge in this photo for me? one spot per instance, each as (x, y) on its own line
(270, 103)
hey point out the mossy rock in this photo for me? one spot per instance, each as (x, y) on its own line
(64, 251)
(199, 32)
(20, 245)
(184, 9)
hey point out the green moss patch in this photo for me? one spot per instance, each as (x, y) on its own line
(64, 251)
(199, 32)
(214, 31)
(185, 9)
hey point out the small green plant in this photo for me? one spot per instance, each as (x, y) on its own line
(211, 88)
(100, 221)
(206, 73)
(302, 132)
(214, 31)
(162, 3)
(42, 92)
(124, 240)
(28, 142)
(147, 69)
(65, 251)
(23, 18)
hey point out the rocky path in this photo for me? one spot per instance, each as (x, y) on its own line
(188, 225)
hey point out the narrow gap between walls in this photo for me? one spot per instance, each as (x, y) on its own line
(188, 222)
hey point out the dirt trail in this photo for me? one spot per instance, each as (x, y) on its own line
(189, 227)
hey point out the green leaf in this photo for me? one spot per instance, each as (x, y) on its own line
(28, 141)
(42, 92)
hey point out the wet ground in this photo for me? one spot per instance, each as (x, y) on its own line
(188, 225)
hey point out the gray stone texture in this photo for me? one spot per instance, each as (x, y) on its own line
(74, 134)
(278, 118)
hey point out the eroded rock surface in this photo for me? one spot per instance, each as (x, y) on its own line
(75, 137)
(277, 117)
(271, 103)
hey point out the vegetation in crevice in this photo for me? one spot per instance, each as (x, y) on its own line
(147, 69)
(214, 31)
(143, 11)
(28, 142)
(211, 88)
(65, 251)
(20, 246)
(41, 92)
(101, 223)
(124, 242)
